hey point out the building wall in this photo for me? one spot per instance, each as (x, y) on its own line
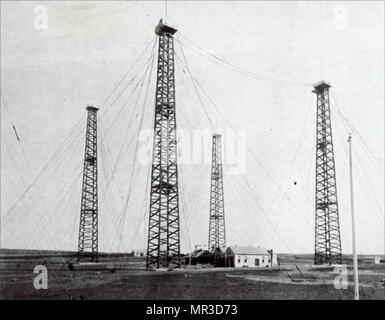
(275, 260)
(251, 261)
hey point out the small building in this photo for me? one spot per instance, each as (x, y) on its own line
(240, 257)
(377, 260)
(199, 257)
(139, 253)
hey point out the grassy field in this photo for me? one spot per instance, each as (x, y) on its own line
(295, 278)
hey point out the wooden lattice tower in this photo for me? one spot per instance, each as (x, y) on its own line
(327, 226)
(163, 246)
(88, 228)
(217, 231)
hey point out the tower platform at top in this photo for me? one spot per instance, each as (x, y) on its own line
(91, 108)
(321, 86)
(162, 28)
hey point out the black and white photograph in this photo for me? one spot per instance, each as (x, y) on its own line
(179, 150)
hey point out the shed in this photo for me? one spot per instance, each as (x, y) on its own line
(138, 252)
(219, 257)
(200, 257)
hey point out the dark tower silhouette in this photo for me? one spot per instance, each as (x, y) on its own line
(327, 226)
(217, 231)
(88, 228)
(163, 246)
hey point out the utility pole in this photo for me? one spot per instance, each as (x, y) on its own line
(88, 228)
(217, 231)
(163, 246)
(355, 267)
(327, 225)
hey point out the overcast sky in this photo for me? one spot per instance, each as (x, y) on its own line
(49, 75)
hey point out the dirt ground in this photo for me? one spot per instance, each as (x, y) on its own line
(129, 280)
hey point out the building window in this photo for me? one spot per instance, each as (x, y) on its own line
(245, 259)
(238, 259)
(256, 262)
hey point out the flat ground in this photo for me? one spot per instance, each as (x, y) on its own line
(295, 278)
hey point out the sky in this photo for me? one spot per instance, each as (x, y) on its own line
(243, 68)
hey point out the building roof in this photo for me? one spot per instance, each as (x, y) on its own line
(222, 249)
(249, 250)
(200, 253)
